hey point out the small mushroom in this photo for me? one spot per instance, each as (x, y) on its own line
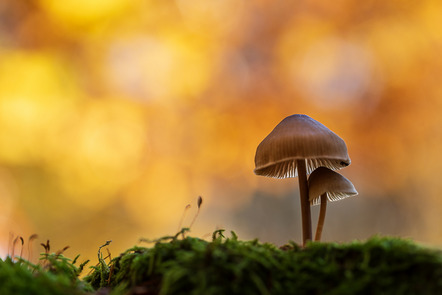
(297, 146)
(325, 184)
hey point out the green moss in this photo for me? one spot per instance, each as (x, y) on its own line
(56, 275)
(229, 266)
(188, 265)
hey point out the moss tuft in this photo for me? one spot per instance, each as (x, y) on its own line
(55, 275)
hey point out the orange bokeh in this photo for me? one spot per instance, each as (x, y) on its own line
(114, 115)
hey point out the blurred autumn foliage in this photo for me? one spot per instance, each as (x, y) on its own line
(114, 115)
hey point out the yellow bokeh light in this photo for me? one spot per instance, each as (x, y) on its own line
(35, 92)
(158, 70)
(109, 147)
(431, 20)
(72, 13)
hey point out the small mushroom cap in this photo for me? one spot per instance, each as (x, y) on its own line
(299, 137)
(324, 180)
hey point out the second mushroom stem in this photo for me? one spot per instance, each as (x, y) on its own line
(321, 218)
(305, 204)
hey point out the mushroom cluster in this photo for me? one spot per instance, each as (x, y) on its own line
(298, 146)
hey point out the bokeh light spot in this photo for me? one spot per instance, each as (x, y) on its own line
(334, 73)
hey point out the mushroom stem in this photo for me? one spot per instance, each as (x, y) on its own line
(321, 218)
(305, 204)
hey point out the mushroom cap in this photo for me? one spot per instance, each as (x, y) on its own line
(299, 137)
(324, 180)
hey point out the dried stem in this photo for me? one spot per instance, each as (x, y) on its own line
(182, 217)
(199, 202)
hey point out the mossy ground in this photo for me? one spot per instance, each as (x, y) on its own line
(227, 265)
(55, 275)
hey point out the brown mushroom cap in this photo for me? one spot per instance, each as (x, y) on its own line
(299, 137)
(336, 186)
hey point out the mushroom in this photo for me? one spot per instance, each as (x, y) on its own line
(325, 184)
(297, 146)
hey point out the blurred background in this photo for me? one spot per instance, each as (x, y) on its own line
(116, 114)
